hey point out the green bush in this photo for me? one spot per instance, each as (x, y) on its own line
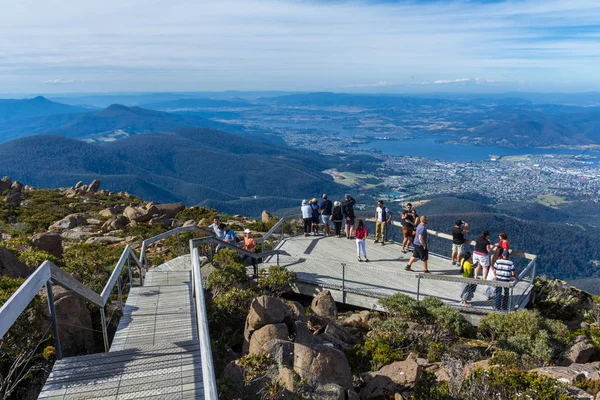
(227, 277)
(536, 339)
(34, 257)
(255, 365)
(556, 299)
(91, 264)
(227, 256)
(277, 281)
(260, 226)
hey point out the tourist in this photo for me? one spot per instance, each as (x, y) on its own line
(306, 216)
(460, 229)
(229, 235)
(326, 206)
(503, 246)
(337, 217)
(468, 289)
(504, 271)
(415, 219)
(314, 206)
(361, 240)
(481, 258)
(348, 212)
(408, 226)
(250, 245)
(382, 217)
(420, 250)
(219, 234)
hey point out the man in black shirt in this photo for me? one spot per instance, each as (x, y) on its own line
(459, 230)
(408, 225)
(348, 211)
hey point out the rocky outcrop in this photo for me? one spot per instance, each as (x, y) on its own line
(140, 214)
(14, 199)
(111, 211)
(580, 352)
(266, 216)
(161, 220)
(94, 186)
(69, 222)
(294, 309)
(16, 187)
(11, 266)
(324, 305)
(5, 183)
(79, 233)
(395, 378)
(318, 365)
(572, 373)
(104, 240)
(265, 310)
(170, 210)
(114, 224)
(49, 242)
(265, 334)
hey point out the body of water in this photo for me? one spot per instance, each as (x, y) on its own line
(430, 147)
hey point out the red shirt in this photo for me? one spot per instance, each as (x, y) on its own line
(504, 244)
(362, 233)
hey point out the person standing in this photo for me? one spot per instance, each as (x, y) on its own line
(349, 217)
(420, 248)
(250, 245)
(326, 209)
(219, 234)
(407, 222)
(314, 206)
(503, 246)
(460, 229)
(481, 257)
(504, 271)
(337, 217)
(361, 240)
(229, 235)
(468, 289)
(382, 217)
(306, 217)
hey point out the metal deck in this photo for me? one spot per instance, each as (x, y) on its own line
(155, 353)
(318, 260)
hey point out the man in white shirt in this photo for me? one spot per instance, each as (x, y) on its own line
(219, 234)
(383, 216)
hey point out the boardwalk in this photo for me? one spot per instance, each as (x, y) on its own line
(155, 353)
(318, 262)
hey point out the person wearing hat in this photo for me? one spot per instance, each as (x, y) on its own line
(314, 206)
(250, 245)
(460, 229)
(326, 209)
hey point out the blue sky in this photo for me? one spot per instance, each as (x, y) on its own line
(56, 46)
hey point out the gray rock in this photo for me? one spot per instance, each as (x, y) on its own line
(301, 333)
(330, 391)
(79, 233)
(359, 320)
(579, 394)
(265, 310)
(266, 216)
(161, 220)
(104, 240)
(11, 266)
(189, 222)
(5, 184)
(14, 199)
(324, 305)
(140, 214)
(114, 224)
(393, 378)
(49, 242)
(580, 352)
(16, 187)
(69, 222)
(570, 374)
(94, 221)
(78, 185)
(294, 309)
(94, 186)
(265, 334)
(170, 210)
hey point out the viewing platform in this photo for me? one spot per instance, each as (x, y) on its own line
(327, 262)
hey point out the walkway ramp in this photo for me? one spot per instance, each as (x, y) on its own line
(155, 353)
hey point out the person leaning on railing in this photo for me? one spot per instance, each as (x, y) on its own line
(504, 271)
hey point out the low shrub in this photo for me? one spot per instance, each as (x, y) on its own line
(226, 278)
(91, 264)
(277, 281)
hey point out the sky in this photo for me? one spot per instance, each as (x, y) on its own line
(68, 46)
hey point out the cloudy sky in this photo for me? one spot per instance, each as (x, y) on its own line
(50, 46)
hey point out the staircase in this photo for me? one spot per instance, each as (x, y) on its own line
(155, 353)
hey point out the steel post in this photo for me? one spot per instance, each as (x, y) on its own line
(178, 246)
(343, 283)
(120, 293)
(510, 299)
(104, 331)
(418, 286)
(54, 319)
(129, 272)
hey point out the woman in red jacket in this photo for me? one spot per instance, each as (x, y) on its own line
(361, 239)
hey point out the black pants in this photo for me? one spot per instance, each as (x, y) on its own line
(501, 300)
(338, 227)
(307, 225)
(253, 260)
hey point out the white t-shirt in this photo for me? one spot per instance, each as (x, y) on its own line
(306, 211)
(379, 212)
(218, 233)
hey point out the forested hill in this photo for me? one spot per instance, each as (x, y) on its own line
(191, 165)
(17, 109)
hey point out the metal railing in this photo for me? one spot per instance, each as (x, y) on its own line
(48, 272)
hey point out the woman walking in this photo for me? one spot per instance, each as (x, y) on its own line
(337, 217)
(361, 240)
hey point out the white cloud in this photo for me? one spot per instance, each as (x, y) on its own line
(362, 85)
(62, 81)
(286, 44)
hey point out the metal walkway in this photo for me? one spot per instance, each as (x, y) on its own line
(155, 353)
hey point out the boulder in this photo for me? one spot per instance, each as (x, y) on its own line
(359, 320)
(319, 365)
(579, 394)
(265, 310)
(104, 240)
(16, 187)
(72, 308)
(580, 352)
(78, 185)
(49, 242)
(11, 266)
(266, 216)
(14, 199)
(316, 323)
(393, 378)
(5, 184)
(110, 211)
(189, 222)
(324, 305)
(265, 335)
(161, 220)
(94, 221)
(294, 310)
(301, 333)
(346, 335)
(170, 210)
(140, 214)
(570, 374)
(288, 378)
(114, 224)
(330, 391)
(79, 233)
(94, 186)
(69, 222)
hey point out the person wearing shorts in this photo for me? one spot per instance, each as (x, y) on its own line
(326, 208)
(407, 221)
(348, 212)
(460, 229)
(481, 257)
(420, 248)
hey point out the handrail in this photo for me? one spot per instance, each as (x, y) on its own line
(460, 279)
(277, 226)
(208, 370)
(117, 272)
(147, 242)
(212, 239)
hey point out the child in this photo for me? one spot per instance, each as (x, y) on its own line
(361, 239)
(468, 289)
